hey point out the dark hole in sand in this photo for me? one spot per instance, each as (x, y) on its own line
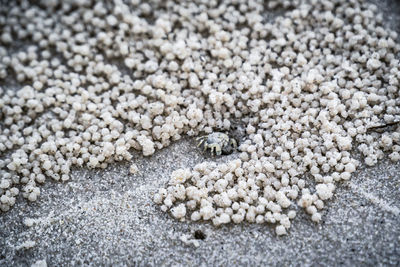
(198, 234)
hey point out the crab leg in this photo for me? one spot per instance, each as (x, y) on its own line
(233, 142)
(218, 150)
(200, 143)
(201, 137)
(214, 150)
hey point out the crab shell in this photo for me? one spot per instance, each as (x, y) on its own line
(218, 143)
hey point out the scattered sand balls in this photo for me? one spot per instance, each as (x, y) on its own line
(325, 191)
(133, 169)
(179, 211)
(84, 85)
(280, 230)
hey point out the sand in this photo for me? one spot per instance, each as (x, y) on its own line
(104, 217)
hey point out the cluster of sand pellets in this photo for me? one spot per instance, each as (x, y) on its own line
(86, 83)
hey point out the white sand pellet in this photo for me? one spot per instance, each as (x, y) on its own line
(96, 82)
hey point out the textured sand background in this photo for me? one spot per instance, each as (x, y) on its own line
(108, 217)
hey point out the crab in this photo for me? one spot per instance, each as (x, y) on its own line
(217, 142)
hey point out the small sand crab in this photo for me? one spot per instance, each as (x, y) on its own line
(217, 142)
